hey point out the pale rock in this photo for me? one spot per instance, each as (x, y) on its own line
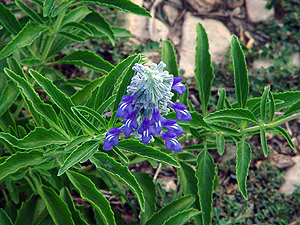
(257, 11)
(218, 38)
(171, 13)
(212, 2)
(292, 177)
(160, 31)
(295, 58)
(262, 63)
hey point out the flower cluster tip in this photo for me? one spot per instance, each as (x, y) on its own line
(149, 96)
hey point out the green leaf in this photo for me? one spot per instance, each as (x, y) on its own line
(76, 141)
(90, 193)
(263, 103)
(125, 82)
(294, 108)
(124, 5)
(47, 7)
(205, 174)
(32, 14)
(263, 141)
(182, 217)
(58, 97)
(135, 147)
(79, 26)
(100, 23)
(107, 87)
(8, 20)
(109, 165)
(171, 209)
(25, 37)
(8, 96)
(285, 134)
(241, 79)
(92, 113)
(12, 190)
(81, 96)
(30, 211)
(38, 138)
(19, 161)
(85, 122)
(225, 130)
(34, 100)
(149, 192)
(4, 219)
(221, 101)
(188, 182)
(271, 106)
(67, 198)
(197, 121)
(60, 7)
(87, 59)
(243, 159)
(76, 15)
(78, 154)
(106, 104)
(236, 114)
(72, 37)
(220, 143)
(168, 56)
(15, 66)
(57, 209)
(30, 62)
(203, 71)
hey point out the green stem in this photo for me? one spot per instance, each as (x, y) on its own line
(55, 29)
(271, 125)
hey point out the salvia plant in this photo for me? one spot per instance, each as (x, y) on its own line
(69, 139)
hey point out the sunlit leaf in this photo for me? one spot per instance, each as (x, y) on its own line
(109, 165)
(25, 37)
(57, 209)
(203, 69)
(205, 174)
(241, 79)
(243, 159)
(171, 209)
(90, 193)
(135, 147)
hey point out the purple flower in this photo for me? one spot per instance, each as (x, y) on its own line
(112, 138)
(172, 127)
(181, 113)
(171, 142)
(146, 131)
(178, 86)
(130, 123)
(125, 106)
(157, 120)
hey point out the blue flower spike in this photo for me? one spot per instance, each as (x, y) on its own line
(149, 96)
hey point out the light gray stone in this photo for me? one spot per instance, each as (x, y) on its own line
(292, 177)
(262, 63)
(295, 58)
(218, 38)
(139, 26)
(171, 13)
(160, 31)
(257, 11)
